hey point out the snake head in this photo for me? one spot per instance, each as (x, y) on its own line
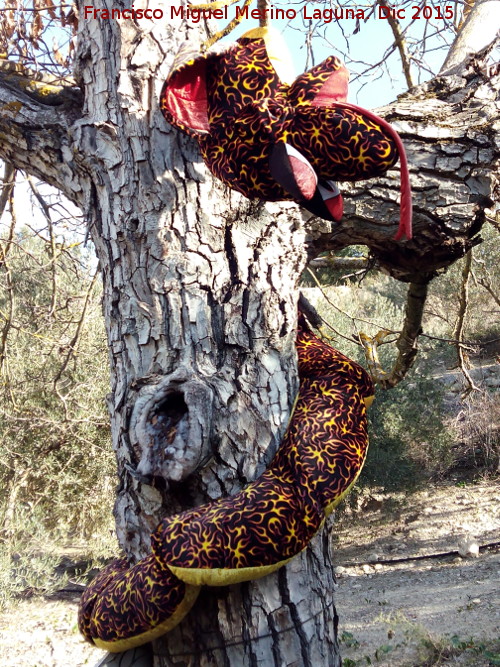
(273, 141)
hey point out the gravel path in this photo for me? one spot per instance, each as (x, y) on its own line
(410, 612)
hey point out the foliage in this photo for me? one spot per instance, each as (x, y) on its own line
(433, 650)
(56, 468)
(418, 429)
(438, 650)
(477, 428)
(28, 559)
(483, 307)
(408, 435)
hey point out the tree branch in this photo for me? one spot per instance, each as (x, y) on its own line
(478, 31)
(406, 343)
(463, 301)
(468, 4)
(399, 41)
(452, 139)
(487, 286)
(9, 292)
(35, 121)
(9, 179)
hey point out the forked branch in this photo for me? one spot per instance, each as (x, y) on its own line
(400, 42)
(463, 301)
(406, 343)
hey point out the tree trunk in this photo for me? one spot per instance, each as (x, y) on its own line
(199, 300)
(200, 291)
(478, 30)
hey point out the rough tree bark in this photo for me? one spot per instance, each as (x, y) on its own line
(450, 129)
(200, 291)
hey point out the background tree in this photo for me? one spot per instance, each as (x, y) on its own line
(200, 285)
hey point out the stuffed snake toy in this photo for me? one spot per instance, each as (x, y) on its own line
(256, 531)
(274, 141)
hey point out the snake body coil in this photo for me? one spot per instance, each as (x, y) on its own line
(253, 533)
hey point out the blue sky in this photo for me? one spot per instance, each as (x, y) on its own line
(364, 47)
(362, 43)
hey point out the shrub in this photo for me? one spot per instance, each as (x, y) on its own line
(56, 464)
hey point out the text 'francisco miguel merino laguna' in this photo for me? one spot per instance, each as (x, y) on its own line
(196, 15)
(327, 15)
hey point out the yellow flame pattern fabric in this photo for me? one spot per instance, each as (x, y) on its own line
(274, 141)
(256, 531)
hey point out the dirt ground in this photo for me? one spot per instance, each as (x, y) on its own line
(443, 609)
(416, 612)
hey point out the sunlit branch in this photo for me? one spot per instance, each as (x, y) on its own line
(463, 302)
(468, 5)
(226, 30)
(406, 343)
(400, 43)
(341, 263)
(479, 31)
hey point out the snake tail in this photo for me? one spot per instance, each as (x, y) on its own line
(125, 606)
(254, 532)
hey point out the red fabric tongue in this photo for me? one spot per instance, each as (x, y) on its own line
(405, 215)
(335, 206)
(304, 176)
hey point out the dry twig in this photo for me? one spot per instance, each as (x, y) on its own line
(463, 300)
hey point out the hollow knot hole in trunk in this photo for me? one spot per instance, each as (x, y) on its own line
(169, 420)
(170, 426)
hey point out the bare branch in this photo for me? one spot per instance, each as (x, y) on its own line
(226, 30)
(370, 345)
(9, 178)
(262, 6)
(485, 279)
(478, 31)
(400, 43)
(406, 343)
(463, 298)
(488, 287)
(9, 287)
(52, 245)
(353, 318)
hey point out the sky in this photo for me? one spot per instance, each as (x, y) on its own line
(363, 43)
